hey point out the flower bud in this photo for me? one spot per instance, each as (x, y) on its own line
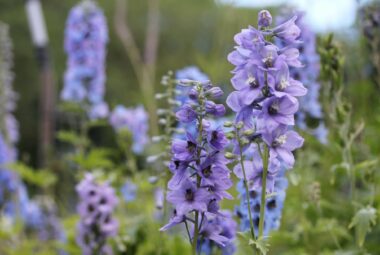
(240, 125)
(229, 155)
(228, 124)
(214, 92)
(264, 19)
(248, 132)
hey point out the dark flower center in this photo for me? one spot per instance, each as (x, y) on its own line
(273, 108)
(191, 146)
(256, 208)
(253, 194)
(214, 135)
(176, 163)
(92, 193)
(189, 195)
(90, 208)
(271, 205)
(207, 171)
(103, 201)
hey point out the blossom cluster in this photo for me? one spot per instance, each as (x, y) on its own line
(86, 36)
(200, 177)
(133, 120)
(265, 101)
(97, 203)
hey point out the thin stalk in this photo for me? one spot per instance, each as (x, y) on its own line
(263, 190)
(245, 185)
(200, 130)
(188, 231)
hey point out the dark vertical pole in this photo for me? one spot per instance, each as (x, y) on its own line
(47, 93)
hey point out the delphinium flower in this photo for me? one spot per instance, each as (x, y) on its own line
(227, 226)
(200, 177)
(310, 115)
(86, 36)
(96, 225)
(133, 120)
(265, 102)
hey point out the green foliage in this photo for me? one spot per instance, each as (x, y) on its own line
(41, 178)
(362, 222)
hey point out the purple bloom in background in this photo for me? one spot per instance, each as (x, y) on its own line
(96, 205)
(86, 36)
(310, 107)
(273, 205)
(128, 191)
(135, 120)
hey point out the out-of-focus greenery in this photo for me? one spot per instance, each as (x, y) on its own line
(192, 33)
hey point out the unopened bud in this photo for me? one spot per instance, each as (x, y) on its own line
(228, 124)
(248, 132)
(230, 135)
(229, 155)
(240, 125)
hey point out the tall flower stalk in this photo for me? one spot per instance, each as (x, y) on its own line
(265, 102)
(200, 177)
(86, 36)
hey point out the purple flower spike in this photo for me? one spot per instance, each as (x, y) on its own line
(265, 101)
(200, 177)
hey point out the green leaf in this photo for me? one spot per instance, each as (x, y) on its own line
(362, 221)
(40, 178)
(260, 244)
(244, 240)
(68, 137)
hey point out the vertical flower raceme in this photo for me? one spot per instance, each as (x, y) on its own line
(200, 177)
(8, 123)
(134, 120)
(96, 206)
(370, 22)
(310, 115)
(265, 101)
(85, 45)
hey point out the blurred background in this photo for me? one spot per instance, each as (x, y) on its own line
(198, 33)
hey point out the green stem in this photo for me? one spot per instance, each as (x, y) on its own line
(245, 185)
(263, 190)
(200, 130)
